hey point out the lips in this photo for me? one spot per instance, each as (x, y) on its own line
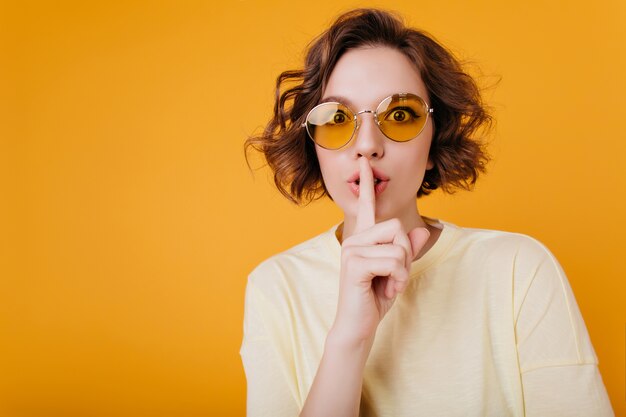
(376, 181)
(380, 182)
(378, 175)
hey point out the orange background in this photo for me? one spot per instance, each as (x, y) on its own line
(130, 221)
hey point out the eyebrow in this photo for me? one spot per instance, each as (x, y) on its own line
(346, 101)
(338, 99)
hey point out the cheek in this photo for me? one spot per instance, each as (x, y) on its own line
(413, 167)
(323, 163)
(328, 167)
(422, 151)
(332, 167)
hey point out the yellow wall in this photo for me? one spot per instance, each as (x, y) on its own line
(130, 221)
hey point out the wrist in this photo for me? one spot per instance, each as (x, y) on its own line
(340, 339)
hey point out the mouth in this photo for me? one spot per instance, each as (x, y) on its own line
(376, 181)
(380, 182)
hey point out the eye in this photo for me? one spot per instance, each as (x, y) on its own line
(401, 115)
(339, 118)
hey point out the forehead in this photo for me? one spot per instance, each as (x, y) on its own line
(365, 76)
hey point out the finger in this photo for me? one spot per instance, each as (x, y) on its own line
(401, 286)
(393, 287)
(366, 212)
(366, 269)
(386, 287)
(383, 287)
(383, 232)
(402, 239)
(390, 290)
(385, 250)
(418, 237)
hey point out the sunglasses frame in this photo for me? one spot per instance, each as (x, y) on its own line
(356, 123)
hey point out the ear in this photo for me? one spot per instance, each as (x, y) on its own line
(429, 164)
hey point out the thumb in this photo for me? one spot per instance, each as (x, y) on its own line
(418, 237)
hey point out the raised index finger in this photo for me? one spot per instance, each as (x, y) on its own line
(366, 212)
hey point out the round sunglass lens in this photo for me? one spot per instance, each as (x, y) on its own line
(402, 117)
(330, 125)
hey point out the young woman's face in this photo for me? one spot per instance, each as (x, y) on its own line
(361, 79)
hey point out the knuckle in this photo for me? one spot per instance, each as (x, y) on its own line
(394, 265)
(401, 279)
(395, 223)
(349, 239)
(399, 252)
(347, 252)
(404, 276)
(398, 264)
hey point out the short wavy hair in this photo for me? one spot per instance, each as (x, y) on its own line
(460, 116)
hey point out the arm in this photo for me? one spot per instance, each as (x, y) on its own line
(558, 364)
(336, 389)
(269, 388)
(375, 264)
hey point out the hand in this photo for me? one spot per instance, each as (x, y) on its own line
(375, 265)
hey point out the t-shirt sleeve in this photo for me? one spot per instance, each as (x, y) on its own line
(268, 391)
(558, 365)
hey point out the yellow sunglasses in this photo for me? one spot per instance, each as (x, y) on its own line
(400, 117)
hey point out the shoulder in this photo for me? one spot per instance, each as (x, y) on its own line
(519, 265)
(536, 276)
(497, 253)
(489, 244)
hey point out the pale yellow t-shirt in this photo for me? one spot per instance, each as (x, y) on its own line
(488, 326)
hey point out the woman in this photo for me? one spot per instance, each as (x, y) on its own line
(391, 313)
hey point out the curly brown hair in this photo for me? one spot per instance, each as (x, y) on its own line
(458, 155)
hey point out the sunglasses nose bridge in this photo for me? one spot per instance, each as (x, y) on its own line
(356, 118)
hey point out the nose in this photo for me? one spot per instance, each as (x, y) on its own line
(369, 139)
